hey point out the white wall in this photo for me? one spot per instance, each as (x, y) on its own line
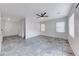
(11, 27)
(50, 29)
(71, 25)
(21, 28)
(74, 41)
(76, 38)
(32, 28)
(71, 32)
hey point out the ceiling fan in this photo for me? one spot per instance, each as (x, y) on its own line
(42, 14)
(77, 5)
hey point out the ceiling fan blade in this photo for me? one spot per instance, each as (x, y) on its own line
(44, 13)
(77, 5)
(38, 15)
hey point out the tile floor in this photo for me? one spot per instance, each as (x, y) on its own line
(36, 46)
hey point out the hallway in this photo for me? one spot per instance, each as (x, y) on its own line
(36, 46)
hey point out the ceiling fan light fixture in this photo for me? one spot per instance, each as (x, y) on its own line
(43, 14)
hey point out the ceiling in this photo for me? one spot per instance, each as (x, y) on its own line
(29, 10)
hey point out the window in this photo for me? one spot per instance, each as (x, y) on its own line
(60, 27)
(71, 25)
(42, 27)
